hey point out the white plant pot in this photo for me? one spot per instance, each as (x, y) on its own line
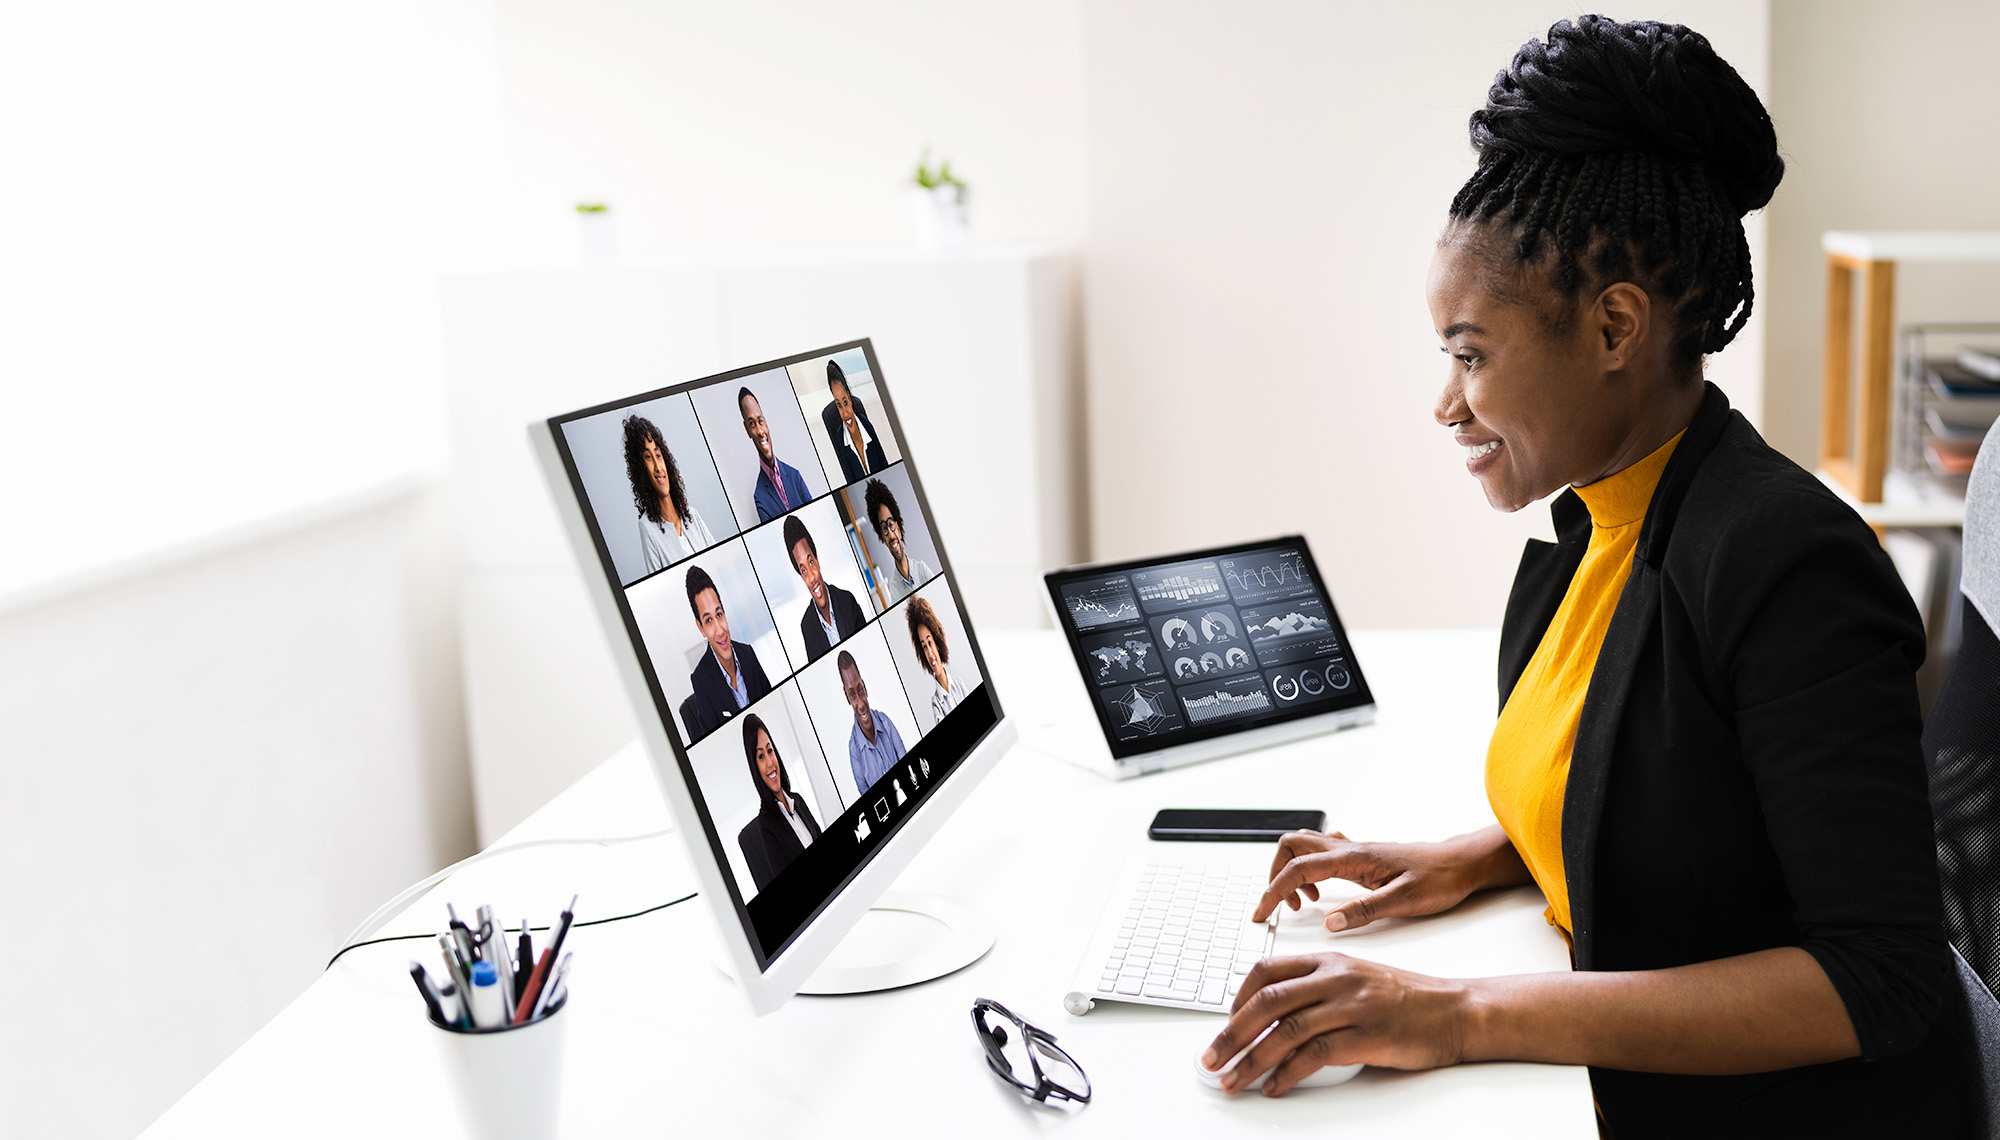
(600, 238)
(939, 215)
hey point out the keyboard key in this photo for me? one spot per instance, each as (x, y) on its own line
(1211, 992)
(1130, 986)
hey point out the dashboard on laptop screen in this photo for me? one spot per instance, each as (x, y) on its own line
(1204, 644)
(778, 572)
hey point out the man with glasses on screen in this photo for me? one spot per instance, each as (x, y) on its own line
(832, 615)
(780, 487)
(728, 678)
(873, 744)
(906, 573)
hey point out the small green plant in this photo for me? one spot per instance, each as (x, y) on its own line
(592, 208)
(930, 178)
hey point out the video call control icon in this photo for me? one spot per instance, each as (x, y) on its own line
(882, 809)
(861, 830)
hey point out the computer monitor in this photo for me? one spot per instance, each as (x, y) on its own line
(785, 618)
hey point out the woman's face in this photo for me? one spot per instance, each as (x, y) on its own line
(928, 644)
(767, 764)
(1532, 406)
(656, 470)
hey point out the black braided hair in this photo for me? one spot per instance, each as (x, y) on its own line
(1628, 151)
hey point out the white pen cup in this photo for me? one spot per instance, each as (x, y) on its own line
(506, 1080)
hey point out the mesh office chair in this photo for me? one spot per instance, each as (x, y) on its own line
(1962, 748)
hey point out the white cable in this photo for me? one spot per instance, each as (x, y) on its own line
(383, 913)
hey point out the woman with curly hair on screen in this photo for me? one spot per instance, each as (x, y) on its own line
(927, 635)
(669, 529)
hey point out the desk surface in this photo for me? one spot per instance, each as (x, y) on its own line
(661, 1041)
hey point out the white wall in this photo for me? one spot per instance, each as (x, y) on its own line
(1266, 184)
(1886, 116)
(209, 773)
(788, 124)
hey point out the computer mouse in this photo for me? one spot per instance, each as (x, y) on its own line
(1318, 1078)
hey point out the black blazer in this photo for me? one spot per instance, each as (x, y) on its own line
(850, 463)
(847, 620)
(1746, 775)
(769, 844)
(714, 702)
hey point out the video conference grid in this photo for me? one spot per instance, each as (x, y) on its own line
(777, 909)
(1194, 644)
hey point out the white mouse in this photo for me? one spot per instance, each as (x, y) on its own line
(1318, 1078)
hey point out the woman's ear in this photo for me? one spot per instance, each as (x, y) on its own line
(1620, 321)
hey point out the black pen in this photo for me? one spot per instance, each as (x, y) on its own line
(428, 991)
(526, 959)
(461, 936)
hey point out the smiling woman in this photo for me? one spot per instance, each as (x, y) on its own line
(1707, 683)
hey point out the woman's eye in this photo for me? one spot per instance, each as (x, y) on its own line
(1466, 359)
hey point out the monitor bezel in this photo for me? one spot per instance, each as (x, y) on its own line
(769, 978)
(1124, 751)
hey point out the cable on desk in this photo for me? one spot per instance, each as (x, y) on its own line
(359, 935)
(433, 934)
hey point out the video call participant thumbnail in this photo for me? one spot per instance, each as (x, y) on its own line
(728, 677)
(905, 573)
(927, 636)
(854, 438)
(832, 615)
(780, 487)
(784, 826)
(873, 744)
(669, 529)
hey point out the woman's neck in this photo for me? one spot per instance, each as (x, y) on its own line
(669, 514)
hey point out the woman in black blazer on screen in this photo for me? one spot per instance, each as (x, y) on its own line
(1707, 754)
(783, 827)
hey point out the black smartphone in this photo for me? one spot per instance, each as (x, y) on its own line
(1231, 825)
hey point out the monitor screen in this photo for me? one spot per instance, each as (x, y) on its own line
(787, 595)
(1199, 645)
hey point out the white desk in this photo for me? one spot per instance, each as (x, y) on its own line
(660, 1043)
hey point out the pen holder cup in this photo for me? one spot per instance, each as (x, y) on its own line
(506, 1081)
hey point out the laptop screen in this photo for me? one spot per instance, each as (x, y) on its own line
(778, 571)
(1205, 644)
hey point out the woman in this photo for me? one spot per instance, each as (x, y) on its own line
(669, 529)
(784, 826)
(1707, 755)
(927, 635)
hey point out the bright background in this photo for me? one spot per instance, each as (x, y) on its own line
(231, 664)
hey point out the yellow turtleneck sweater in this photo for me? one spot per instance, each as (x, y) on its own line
(1527, 763)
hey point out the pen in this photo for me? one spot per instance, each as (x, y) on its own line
(453, 968)
(493, 949)
(428, 991)
(526, 960)
(460, 936)
(532, 992)
(454, 1017)
(556, 990)
(489, 1010)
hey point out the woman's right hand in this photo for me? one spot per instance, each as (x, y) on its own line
(1401, 879)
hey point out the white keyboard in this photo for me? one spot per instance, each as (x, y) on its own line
(1174, 933)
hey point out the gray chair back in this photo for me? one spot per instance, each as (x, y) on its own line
(1962, 750)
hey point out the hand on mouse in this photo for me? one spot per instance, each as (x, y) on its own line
(1331, 1009)
(1402, 879)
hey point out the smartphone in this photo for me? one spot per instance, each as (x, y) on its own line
(1231, 825)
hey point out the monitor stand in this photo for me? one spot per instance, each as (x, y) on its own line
(905, 938)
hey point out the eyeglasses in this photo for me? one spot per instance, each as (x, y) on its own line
(1028, 1058)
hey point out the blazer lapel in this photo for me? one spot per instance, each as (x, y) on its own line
(1539, 585)
(1625, 644)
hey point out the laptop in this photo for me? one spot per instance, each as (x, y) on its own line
(1203, 654)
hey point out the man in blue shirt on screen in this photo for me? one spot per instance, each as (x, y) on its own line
(873, 745)
(780, 487)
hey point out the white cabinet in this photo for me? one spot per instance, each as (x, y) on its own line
(979, 351)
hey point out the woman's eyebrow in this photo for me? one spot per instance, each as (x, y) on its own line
(1453, 330)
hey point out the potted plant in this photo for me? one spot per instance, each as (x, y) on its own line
(937, 205)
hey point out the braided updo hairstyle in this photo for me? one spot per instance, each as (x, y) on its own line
(1631, 152)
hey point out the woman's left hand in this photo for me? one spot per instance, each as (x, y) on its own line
(1331, 1009)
